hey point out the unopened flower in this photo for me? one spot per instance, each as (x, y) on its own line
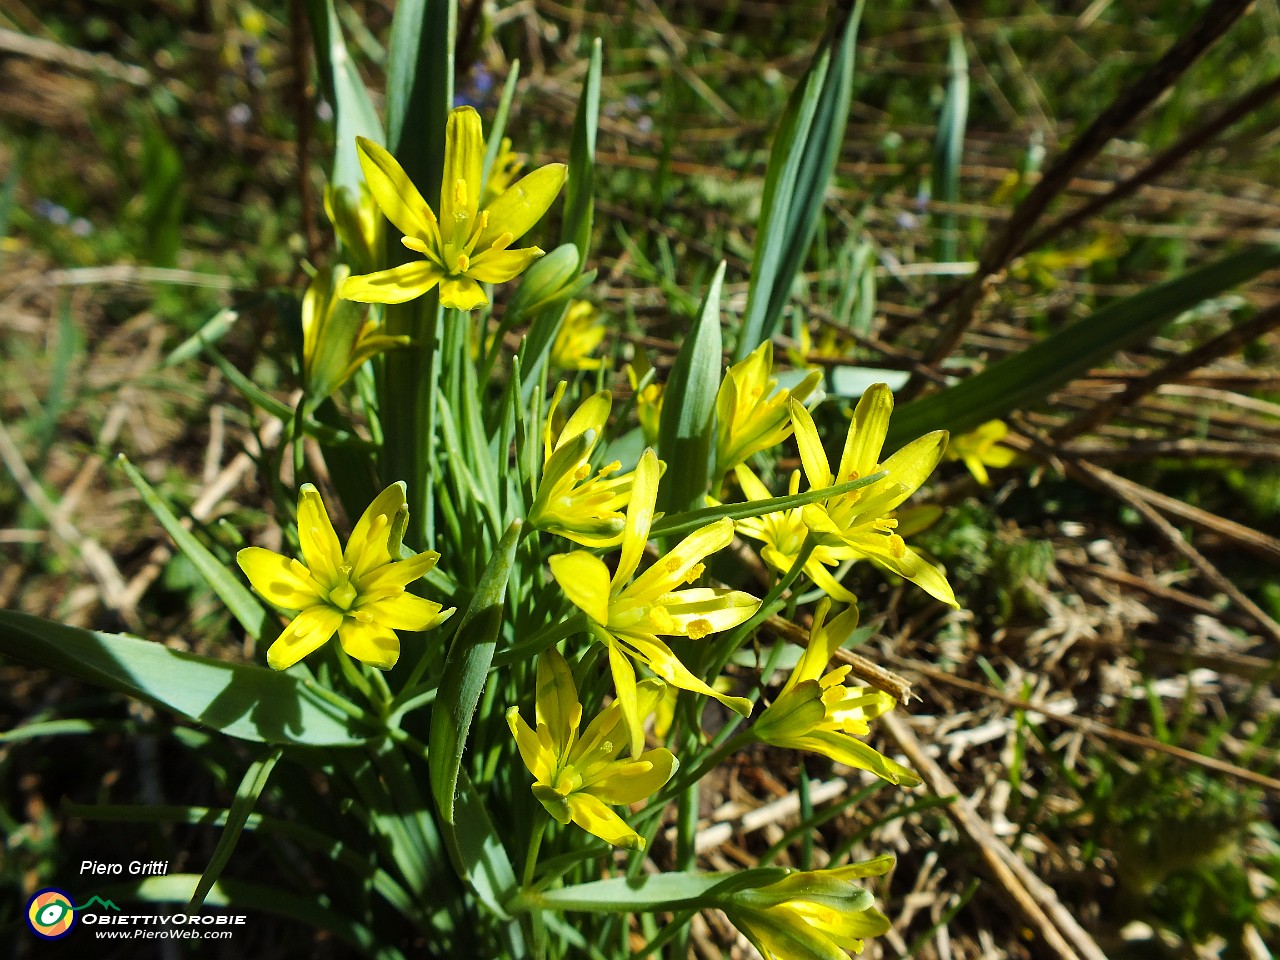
(980, 448)
(628, 616)
(752, 413)
(648, 398)
(580, 334)
(467, 246)
(358, 224)
(817, 712)
(358, 593)
(579, 778)
(337, 336)
(570, 501)
(862, 519)
(812, 914)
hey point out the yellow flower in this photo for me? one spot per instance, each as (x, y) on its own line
(814, 914)
(783, 534)
(580, 334)
(628, 616)
(570, 501)
(817, 712)
(450, 244)
(751, 412)
(648, 400)
(359, 593)
(578, 779)
(337, 336)
(861, 519)
(981, 448)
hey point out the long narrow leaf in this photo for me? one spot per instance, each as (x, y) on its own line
(237, 699)
(246, 798)
(686, 433)
(1030, 376)
(579, 207)
(465, 672)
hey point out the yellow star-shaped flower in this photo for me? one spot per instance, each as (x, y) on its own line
(358, 593)
(579, 778)
(467, 246)
(628, 616)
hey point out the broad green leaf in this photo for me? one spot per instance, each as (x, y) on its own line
(465, 671)
(800, 165)
(579, 206)
(227, 585)
(1028, 377)
(662, 891)
(948, 149)
(354, 115)
(686, 434)
(420, 68)
(480, 858)
(310, 911)
(246, 798)
(237, 699)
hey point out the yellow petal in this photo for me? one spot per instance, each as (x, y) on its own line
(370, 643)
(635, 534)
(824, 581)
(817, 468)
(912, 465)
(590, 415)
(523, 203)
(283, 581)
(530, 747)
(396, 285)
(665, 664)
(499, 266)
(557, 700)
(751, 486)
(584, 580)
(405, 612)
(867, 429)
(624, 682)
(463, 164)
(919, 571)
(377, 535)
(387, 578)
(395, 193)
(632, 780)
(315, 534)
(461, 293)
(976, 467)
(852, 752)
(705, 610)
(672, 570)
(308, 631)
(595, 818)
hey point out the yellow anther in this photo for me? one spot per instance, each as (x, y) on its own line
(695, 573)
(460, 198)
(378, 528)
(464, 262)
(674, 563)
(504, 240)
(583, 471)
(699, 628)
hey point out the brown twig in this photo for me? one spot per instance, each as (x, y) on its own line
(1035, 900)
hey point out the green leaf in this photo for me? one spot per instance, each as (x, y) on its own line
(237, 699)
(246, 798)
(420, 88)
(354, 114)
(579, 207)
(310, 910)
(465, 671)
(661, 891)
(800, 165)
(480, 858)
(948, 149)
(686, 434)
(242, 604)
(1027, 378)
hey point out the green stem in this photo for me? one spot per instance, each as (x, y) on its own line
(537, 927)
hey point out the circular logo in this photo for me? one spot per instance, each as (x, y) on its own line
(50, 914)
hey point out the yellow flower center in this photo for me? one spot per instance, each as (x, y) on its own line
(344, 594)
